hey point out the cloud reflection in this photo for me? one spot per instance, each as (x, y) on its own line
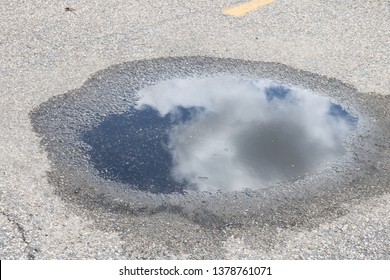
(245, 134)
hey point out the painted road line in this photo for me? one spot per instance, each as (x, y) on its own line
(243, 9)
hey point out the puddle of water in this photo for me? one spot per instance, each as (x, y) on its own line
(224, 133)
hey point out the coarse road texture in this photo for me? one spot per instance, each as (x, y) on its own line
(47, 50)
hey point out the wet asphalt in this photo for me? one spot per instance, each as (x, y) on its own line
(64, 73)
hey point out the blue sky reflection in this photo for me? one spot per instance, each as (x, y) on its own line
(239, 133)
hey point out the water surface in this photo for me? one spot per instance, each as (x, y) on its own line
(218, 133)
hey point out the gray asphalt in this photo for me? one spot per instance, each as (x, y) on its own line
(54, 207)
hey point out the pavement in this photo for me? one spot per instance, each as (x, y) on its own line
(49, 209)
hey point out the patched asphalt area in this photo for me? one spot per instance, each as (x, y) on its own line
(196, 224)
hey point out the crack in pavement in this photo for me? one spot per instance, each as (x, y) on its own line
(29, 250)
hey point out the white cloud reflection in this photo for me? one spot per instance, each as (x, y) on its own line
(245, 137)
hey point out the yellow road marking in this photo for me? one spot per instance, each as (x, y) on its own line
(241, 10)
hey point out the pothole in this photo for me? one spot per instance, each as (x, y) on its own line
(217, 142)
(221, 133)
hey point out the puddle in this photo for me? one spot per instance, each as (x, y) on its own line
(218, 133)
(136, 136)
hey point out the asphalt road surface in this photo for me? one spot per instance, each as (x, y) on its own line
(64, 65)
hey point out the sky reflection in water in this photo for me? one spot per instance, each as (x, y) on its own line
(219, 133)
